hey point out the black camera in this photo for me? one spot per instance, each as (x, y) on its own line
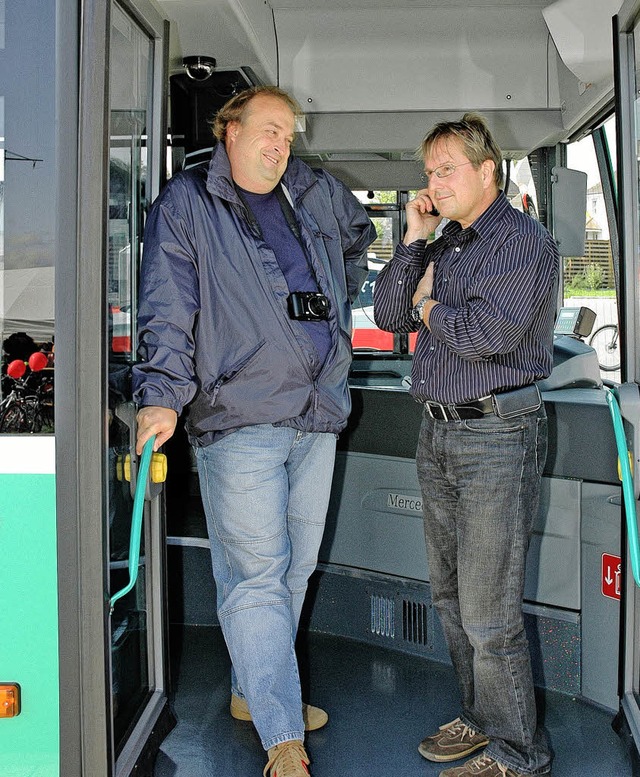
(308, 306)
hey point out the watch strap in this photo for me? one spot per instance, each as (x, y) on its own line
(418, 308)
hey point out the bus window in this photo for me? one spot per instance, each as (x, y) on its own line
(27, 190)
(589, 280)
(522, 189)
(384, 212)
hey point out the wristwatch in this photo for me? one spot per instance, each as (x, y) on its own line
(418, 309)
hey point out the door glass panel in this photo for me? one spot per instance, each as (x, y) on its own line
(130, 113)
(589, 280)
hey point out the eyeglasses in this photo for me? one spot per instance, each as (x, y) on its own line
(443, 171)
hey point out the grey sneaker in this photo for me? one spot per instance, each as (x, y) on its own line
(481, 766)
(452, 741)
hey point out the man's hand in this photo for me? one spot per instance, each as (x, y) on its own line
(420, 221)
(424, 288)
(160, 421)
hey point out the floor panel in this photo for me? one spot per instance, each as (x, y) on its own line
(381, 703)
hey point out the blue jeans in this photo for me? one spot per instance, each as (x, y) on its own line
(265, 491)
(480, 482)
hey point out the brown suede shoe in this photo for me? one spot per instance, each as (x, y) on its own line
(288, 759)
(452, 741)
(313, 717)
(481, 766)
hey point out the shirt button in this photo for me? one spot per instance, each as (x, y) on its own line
(457, 249)
(433, 348)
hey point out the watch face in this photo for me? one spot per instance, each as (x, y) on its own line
(416, 313)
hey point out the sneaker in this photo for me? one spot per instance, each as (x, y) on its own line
(481, 766)
(288, 759)
(313, 717)
(452, 741)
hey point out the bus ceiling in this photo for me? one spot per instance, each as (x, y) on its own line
(373, 76)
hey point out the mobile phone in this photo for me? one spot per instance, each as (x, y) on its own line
(434, 212)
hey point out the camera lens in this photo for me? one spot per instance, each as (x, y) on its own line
(319, 306)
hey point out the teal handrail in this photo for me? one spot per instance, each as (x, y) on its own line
(136, 520)
(627, 483)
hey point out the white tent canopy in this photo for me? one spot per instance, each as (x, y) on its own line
(27, 302)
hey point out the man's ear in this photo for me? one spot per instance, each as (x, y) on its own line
(488, 168)
(232, 129)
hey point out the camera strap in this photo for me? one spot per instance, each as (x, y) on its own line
(253, 221)
(289, 216)
(285, 205)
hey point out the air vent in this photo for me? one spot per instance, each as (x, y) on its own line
(414, 622)
(383, 616)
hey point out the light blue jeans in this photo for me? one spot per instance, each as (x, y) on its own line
(480, 481)
(265, 491)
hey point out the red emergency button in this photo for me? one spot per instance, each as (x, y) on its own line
(9, 700)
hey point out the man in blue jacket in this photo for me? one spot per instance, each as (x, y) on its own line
(249, 269)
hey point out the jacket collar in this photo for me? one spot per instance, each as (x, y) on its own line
(297, 178)
(219, 181)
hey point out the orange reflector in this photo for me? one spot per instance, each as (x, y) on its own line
(9, 700)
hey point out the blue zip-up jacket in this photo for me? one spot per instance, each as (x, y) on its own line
(214, 330)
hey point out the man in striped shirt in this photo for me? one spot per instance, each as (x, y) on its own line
(483, 299)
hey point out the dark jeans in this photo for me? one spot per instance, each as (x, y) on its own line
(480, 482)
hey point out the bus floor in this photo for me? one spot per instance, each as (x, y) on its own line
(381, 703)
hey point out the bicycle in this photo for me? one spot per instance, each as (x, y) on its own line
(28, 408)
(605, 341)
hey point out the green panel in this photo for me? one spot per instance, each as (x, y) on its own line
(29, 743)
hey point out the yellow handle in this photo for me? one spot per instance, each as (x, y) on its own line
(619, 466)
(157, 468)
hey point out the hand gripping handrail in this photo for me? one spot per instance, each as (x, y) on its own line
(627, 483)
(136, 520)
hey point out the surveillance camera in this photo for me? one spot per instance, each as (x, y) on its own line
(199, 68)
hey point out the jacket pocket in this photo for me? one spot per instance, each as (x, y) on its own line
(231, 372)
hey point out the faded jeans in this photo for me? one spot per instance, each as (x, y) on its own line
(265, 491)
(480, 482)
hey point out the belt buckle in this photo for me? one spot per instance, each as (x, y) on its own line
(448, 413)
(452, 412)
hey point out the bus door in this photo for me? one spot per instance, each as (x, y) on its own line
(627, 59)
(137, 627)
(120, 669)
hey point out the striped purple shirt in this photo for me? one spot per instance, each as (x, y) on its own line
(497, 283)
